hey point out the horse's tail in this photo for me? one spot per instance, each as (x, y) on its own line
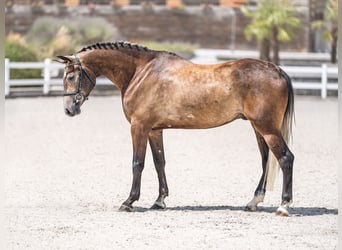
(272, 166)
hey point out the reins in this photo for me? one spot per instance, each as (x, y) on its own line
(78, 94)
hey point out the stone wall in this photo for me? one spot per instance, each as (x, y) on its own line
(206, 28)
(210, 28)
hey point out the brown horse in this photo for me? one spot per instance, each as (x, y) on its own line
(161, 90)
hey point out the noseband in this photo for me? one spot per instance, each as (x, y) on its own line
(78, 95)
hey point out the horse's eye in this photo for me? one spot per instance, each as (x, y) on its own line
(71, 77)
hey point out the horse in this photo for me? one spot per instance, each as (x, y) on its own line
(161, 90)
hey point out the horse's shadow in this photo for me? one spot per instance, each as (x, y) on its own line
(293, 211)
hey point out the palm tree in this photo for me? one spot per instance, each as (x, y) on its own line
(330, 24)
(273, 22)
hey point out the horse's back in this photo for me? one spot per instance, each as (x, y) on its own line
(239, 82)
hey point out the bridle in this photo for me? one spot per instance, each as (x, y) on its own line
(78, 94)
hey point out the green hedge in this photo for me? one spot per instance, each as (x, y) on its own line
(186, 50)
(55, 36)
(17, 52)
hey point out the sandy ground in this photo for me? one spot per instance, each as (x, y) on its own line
(66, 177)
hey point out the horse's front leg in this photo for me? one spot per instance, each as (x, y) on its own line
(260, 191)
(139, 140)
(157, 148)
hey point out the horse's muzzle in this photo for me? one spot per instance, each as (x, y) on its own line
(73, 110)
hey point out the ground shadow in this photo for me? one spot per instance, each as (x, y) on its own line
(294, 211)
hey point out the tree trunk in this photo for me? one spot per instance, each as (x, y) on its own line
(333, 54)
(264, 49)
(275, 46)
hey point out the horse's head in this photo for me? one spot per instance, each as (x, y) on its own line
(78, 82)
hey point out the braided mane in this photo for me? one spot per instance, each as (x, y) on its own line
(119, 45)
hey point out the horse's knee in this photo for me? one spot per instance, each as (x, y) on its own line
(138, 166)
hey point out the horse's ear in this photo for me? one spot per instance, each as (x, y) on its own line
(63, 59)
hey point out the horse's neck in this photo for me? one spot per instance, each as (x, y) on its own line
(117, 66)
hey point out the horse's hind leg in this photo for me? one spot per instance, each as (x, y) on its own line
(277, 145)
(260, 191)
(157, 148)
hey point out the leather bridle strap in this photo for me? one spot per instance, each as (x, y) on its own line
(78, 94)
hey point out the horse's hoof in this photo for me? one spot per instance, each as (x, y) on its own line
(251, 207)
(125, 208)
(282, 211)
(158, 205)
(253, 204)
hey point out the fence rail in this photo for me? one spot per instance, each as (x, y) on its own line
(46, 81)
(327, 77)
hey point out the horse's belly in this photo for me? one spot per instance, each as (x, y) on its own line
(199, 116)
(203, 104)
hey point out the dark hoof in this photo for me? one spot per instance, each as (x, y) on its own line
(125, 208)
(250, 208)
(158, 205)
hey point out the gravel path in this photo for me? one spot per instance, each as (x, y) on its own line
(66, 178)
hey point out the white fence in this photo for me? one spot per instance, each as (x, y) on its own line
(47, 81)
(324, 73)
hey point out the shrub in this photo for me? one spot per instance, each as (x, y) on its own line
(58, 36)
(17, 52)
(95, 30)
(186, 50)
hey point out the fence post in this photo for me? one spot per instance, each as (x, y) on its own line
(47, 76)
(7, 76)
(324, 81)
